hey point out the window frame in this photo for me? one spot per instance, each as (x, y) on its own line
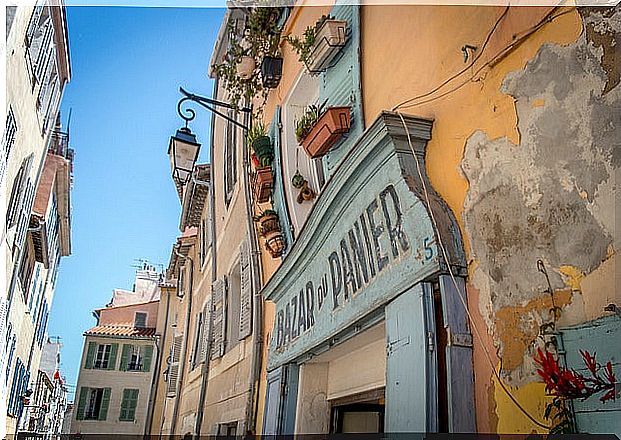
(129, 397)
(95, 397)
(146, 317)
(135, 360)
(107, 350)
(230, 157)
(8, 140)
(198, 337)
(233, 307)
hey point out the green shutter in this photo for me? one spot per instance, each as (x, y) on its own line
(133, 404)
(123, 416)
(128, 405)
(146, 358)
(112, 361)
(105, 402)
(124, 355)
(81, 403)
(90, 355)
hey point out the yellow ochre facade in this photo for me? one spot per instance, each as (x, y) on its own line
(402, 278)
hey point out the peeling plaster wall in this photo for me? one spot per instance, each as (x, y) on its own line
(550, 196)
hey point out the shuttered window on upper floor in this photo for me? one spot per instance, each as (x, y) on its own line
(101, 356)
(173, 367)
(230, 157)
(42, 60)
(8, 139)
(135, 357)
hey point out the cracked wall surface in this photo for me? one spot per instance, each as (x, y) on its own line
(550, 197)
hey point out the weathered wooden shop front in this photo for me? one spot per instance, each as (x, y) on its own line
(370, 332)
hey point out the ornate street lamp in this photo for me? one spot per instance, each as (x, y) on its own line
(183, 151)
(183, 148)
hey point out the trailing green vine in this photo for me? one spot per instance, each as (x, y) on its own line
(259, 37)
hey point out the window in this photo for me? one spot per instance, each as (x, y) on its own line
(181, 281)
(43, 63)
(41, 329)
(19, 193)
(227, 429)
(102, 358)
(140, 320)
(10, 15)
(136, 357)
(233, 296)
(198, 337)
(26, 268)
(10, 131)
(128, 405)
(205, 238)
(172, 375)
(305, 91)
(230, 157)
(21, 376)
(93, 403)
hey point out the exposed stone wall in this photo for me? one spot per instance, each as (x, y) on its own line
(551, 196)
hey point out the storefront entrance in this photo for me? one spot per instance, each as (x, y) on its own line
(365, 301)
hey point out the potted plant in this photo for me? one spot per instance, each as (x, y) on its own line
(318, 130)
(269, 229)
(263, 179)
(306, 192)
(320, 43)
(260, 143)
(245, 67)
(240, 66)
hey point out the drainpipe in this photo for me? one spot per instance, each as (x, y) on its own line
(185, 341)
(257, 321)
(156, 369)
(214, 275)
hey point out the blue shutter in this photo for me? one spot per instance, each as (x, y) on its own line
(411, 379)
(601, 336)
(341, 85)
(278, 196)
(280, 401)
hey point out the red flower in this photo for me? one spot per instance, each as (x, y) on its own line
(569, 384)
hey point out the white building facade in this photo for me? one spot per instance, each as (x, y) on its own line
(38, 68)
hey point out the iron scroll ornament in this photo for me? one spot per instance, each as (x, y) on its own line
(188, 114)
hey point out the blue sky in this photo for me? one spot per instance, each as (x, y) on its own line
(127, 66)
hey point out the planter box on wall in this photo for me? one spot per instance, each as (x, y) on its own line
(263, 183)
(328, 129)
(331, 37)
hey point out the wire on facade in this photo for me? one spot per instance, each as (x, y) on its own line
(457, 288)
(547, 19)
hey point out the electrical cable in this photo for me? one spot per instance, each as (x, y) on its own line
(460, 294)
(547, 19)
(465, 69)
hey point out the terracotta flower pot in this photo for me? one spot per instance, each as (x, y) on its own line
(263, 183)
(328, 129)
